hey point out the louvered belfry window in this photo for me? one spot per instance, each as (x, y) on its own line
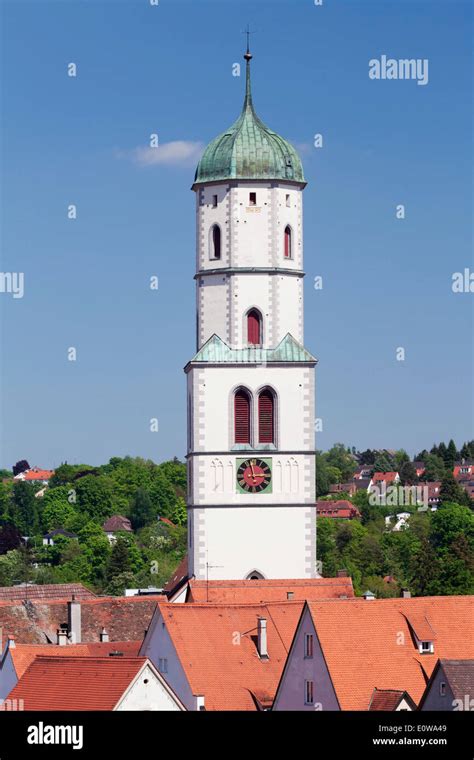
(287, 243)
(265, 418)
(241, 417)
(254, 328)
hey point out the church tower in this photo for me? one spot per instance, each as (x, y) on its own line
(250, 386)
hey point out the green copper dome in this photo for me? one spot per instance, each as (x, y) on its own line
(249, 150)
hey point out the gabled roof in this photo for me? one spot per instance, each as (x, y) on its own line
(76, 683)
(262, 591)
(459, 674)
(178, 579)
(389, 699)
(388, 477)
(125, 618)
(37, 474)
(368, 644)
(216, 646)
(420, 626)
(215, 351)
(24, 654)
(117, 523)
(46, 591)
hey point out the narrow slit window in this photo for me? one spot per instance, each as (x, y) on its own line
(252, 199)
(308, 645)
(288, 242)
(216, 242)
(287, 199)
(309, 692)
(214, 201)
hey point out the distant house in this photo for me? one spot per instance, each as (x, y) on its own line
(94, 683)
(451, 686)
(389, 478)
(468, 486)
(434, 487)
(116, 524)
(420, 468)
(401, 521)
(35, 475)
(364, 471)
(48, 538)
(464, 470)
(349, 488)
(343, 509)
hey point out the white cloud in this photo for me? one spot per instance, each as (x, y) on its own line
(176, 153)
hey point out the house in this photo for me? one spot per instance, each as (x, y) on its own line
(48, 538)
(35, 475)
(468, 486)
(464, 470)
(451, 686)
(222, 656)
(82, 620)
(391, 700)
(389, 478)
(93, 683)
(344, 510)
(401, 521)
(420, 468)
(349, 488)
(344, 650)
(16, 658)
(116, 524)
(364, 471)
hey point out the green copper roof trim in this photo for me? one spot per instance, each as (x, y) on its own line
(215, 351)
(249, 150)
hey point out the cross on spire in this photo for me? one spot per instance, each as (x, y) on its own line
(248, 54)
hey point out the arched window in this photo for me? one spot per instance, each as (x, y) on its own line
(215, 242)
(254, 327)
(241, 417)
(255, 575)
(287, 242)
(266, 415)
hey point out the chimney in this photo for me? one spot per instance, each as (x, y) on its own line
(61, 634)
(262, 638)
(74, 620)
(104, 636)
(406, 594)
(369, 595)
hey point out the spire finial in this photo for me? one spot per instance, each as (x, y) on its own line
(248, 57)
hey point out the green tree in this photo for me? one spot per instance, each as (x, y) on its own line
(57, 510)
(451, 491)
(180, 513)
(163, 496)
(452, 454)
(434, 468)
(24, 508)
(95, 497)
(142, 510)
(408, 474)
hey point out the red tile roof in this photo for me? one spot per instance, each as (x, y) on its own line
(216, 646)
(388, 477)
(23, 654)
(37, 474)
(368, 644)
(338, 509)
(125, 618)
(262, 591)
(388, 699)
(46, 591)
(76, 683)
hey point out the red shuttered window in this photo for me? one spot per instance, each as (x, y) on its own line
(241, 417)
(254, 328)
(265, 418)
(287, 243)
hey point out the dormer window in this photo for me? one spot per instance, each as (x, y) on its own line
(252, 199)
(426, 647)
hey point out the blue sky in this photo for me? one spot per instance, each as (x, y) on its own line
(168, 69)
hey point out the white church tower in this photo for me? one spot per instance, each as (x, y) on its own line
(250, 386)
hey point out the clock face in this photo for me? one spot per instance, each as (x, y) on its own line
(254, 475)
